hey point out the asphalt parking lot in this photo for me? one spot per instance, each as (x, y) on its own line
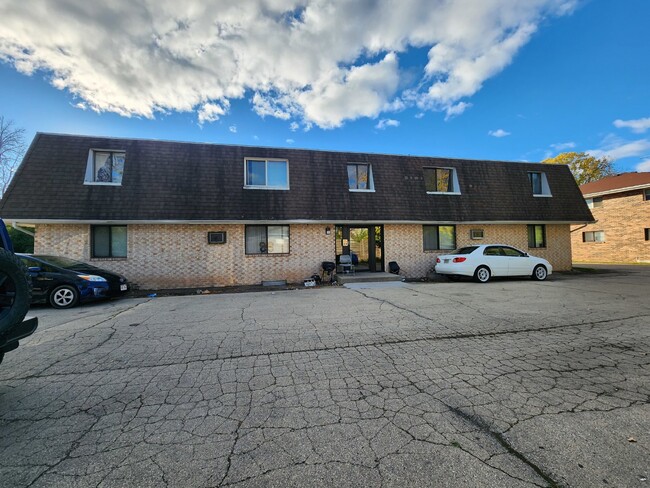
(511, 383)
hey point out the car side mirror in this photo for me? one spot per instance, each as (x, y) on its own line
(526, 255)
(34, 269)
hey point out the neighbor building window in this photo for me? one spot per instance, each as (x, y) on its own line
(267, 174)
(360, 177)
(646, 194)
(441, 180)
(594, 202)
(267, 239)
(536, 236)
(105, 167)
(539, 184)
(108, 241)
(595, 236)
(437, 237)
(647, 234)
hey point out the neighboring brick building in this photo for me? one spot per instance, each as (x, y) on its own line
(621, 234)
(170, 214)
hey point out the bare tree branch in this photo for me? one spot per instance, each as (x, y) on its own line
(12, 148)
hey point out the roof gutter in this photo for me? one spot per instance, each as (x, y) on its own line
(15, 225)
(297, 221)
(616, 190)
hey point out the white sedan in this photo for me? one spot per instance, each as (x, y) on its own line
(487, 260)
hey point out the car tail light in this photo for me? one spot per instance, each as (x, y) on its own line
(437, 260)
(459, 260)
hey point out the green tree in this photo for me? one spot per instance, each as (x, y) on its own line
(585, 168)
(22, 242)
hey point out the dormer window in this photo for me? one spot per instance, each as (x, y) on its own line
(539, 184)
(266, 174)
(441, 180)
(360, 177)
(105, 167)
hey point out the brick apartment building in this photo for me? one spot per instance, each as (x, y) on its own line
(172, 214)
(621, 234)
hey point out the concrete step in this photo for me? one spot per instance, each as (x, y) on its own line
(366, 277)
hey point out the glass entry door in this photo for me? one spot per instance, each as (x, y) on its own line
(363, 243)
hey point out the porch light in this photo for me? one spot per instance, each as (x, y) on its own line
(328, 231)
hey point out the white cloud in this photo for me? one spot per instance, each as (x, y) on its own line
(643, 165)
(615, 148)
(233, 129)
(306, 60)
(419, 115)
(294, 126)
(638, 125)
(563, 146)
(498, 133)
(210, 112)
(384, 123)
(290, 141)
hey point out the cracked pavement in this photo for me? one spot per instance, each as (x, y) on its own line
(512, 383)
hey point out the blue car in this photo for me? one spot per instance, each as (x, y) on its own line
(64, 282)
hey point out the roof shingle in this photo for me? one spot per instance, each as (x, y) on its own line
(178, 181)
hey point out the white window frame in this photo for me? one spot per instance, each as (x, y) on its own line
(546, 190)
(592, 203)
(593, 235)
(89, 178)
(371, 181)
(266, 161)
(454, 180)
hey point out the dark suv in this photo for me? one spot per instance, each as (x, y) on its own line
(15, 296)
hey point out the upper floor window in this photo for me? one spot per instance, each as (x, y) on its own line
(594, 202)
(646, 194)
(536, 236)
(105, 167)
(441, 180)
(539, 184)
(647, 234)
(360, 177)
(272, 174)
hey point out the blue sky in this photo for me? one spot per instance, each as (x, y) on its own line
(508, 83)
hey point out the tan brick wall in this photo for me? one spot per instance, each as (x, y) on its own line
(623, 217)
(403, 243)
(176, 256)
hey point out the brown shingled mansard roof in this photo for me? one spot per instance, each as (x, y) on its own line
(615, 184)
(191, 182)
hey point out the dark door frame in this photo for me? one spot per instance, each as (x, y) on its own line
(375, 264)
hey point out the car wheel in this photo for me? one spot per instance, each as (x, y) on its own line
(15, 290)
(540, 273)
(482, 274)
(64, 296)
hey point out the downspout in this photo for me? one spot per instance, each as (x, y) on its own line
(14, 225)
(577, 228)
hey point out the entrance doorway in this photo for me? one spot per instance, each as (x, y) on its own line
(365, 243)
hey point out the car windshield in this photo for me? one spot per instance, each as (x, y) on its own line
(65, 263)
(466, 250)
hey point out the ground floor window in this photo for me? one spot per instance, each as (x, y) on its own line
(647, 234)
(437, 237)
(108, 241)
(267, 239)
(595, 236)
(536, 236)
